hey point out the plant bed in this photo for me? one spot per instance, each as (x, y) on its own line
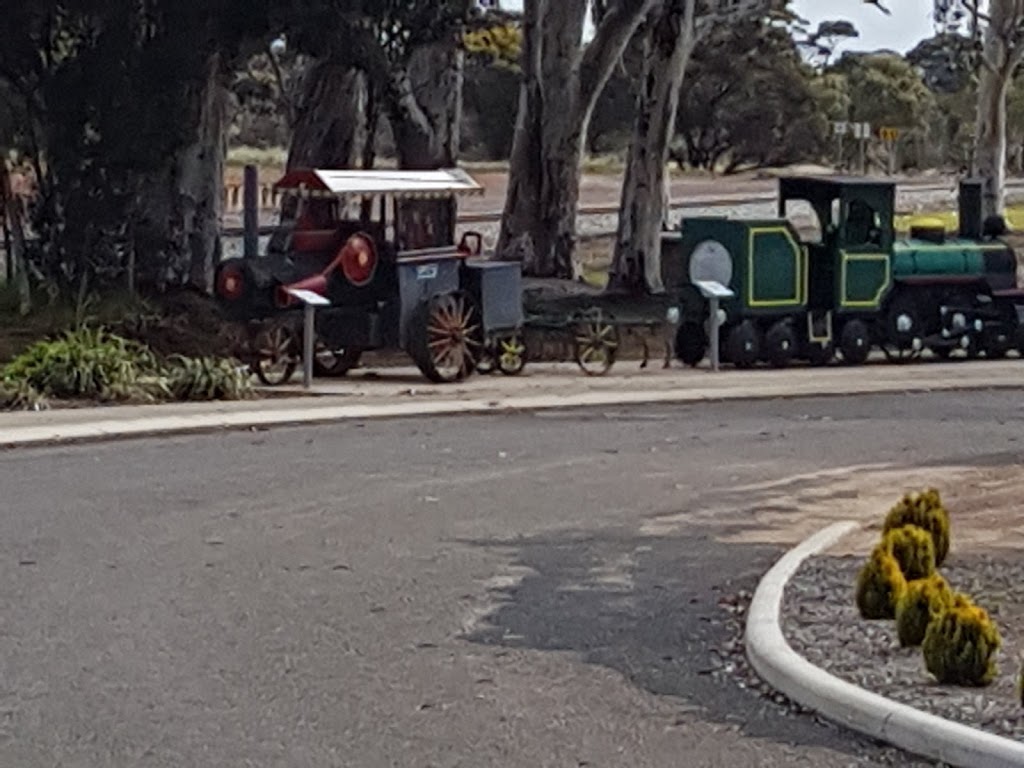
(822, 624)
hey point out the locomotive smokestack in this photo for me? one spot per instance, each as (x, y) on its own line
(971, 224)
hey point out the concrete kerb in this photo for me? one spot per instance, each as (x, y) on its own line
(876, 716)
(264, 416)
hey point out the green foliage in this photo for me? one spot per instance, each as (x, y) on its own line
(925, 510)
(207, 378)
(91, 364)
(880, 584)
(920, 602)
(94, 364)
(913, 548)
(20, 396)
(960, 645)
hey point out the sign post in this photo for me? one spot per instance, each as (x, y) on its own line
(891, 137)
(714, 292)
(310, 301)
(840, 129)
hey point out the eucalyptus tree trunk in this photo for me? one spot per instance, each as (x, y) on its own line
(329, 128)
(668, 43)
(177, 211)
(19, 264)
(426, 113)
(561, 84)
(1002, 53)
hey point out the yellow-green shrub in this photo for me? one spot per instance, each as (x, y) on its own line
(924, 510)
(922, 600)
(879, 585)
(960, 645)
(914, 550)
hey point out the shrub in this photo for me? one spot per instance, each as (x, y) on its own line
(89, 363)
(960, 645)
(879, 585)
(208, 378)
(20, 396)
(924, 510)
(920, 602)
(914, 550)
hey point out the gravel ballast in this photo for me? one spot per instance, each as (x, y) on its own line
(820, 621)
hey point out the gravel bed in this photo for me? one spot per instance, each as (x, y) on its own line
(821, 622)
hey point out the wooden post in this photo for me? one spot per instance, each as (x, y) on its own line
(251, 213)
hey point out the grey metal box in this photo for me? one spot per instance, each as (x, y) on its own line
(498, 287)
(419, 280)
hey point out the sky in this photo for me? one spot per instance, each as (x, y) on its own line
(909, 23)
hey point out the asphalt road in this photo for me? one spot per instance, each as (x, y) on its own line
(524, 590)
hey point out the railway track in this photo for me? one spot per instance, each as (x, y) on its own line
(597, 222)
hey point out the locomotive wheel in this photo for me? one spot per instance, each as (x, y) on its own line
(447, 338)
(780, 344)
(902, 330)
(596, 343)
(855, 342)
(691, 344)
(743, 345)
(821, 354)
(486, 364)
(277, 355)
(334, 362)
(511, 355)
(996, 348)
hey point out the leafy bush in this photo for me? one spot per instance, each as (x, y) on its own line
(20, 396)
(208, 378)
(960, 645)
(920, 602)
(924, 510)
(92, 364)
(880, 584)
(914, 550)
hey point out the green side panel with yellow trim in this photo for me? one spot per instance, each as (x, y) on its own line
(864, 280)
(776, 269)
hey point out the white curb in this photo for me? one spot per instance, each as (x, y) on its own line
(881, 718)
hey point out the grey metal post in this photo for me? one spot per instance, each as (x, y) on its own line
(714, 333)
(308, 337)
(251, 212)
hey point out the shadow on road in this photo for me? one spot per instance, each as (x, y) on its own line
(660, 611)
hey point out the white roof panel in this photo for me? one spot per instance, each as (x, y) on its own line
(361, 183)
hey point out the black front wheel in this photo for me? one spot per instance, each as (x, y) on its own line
(855, 342)
(691, 343)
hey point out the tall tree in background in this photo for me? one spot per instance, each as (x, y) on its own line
(562, 80)
(1001, 56)
(671, 32)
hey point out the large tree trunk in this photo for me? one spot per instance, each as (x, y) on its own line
(561, 84)
(1002, 54)
(330, 109)
(426, 112)
(178, 211)
(643, 210)
(18, 268)
(990, 141)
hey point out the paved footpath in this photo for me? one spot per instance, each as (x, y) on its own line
(403, 392)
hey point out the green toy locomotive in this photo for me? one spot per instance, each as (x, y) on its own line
(852, 288)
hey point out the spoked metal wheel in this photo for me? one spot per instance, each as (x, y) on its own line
(596, 342)
(447, 338)
(277, 355)
(334, 362)
(510, 354)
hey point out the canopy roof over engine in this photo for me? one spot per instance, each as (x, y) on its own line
(446, 182)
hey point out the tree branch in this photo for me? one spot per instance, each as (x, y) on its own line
(610, 40)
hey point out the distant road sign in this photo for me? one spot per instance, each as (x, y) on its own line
(840, 129)
(889, 134)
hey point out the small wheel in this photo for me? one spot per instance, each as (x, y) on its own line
(447, 338)
(691, 343)
(511, 355)
(487, 362)
(743, 345)
(596, 343)
(276, 355)
(780, 344)
(996, 345)
(855, 342)
(334, 362)
(819, 354)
